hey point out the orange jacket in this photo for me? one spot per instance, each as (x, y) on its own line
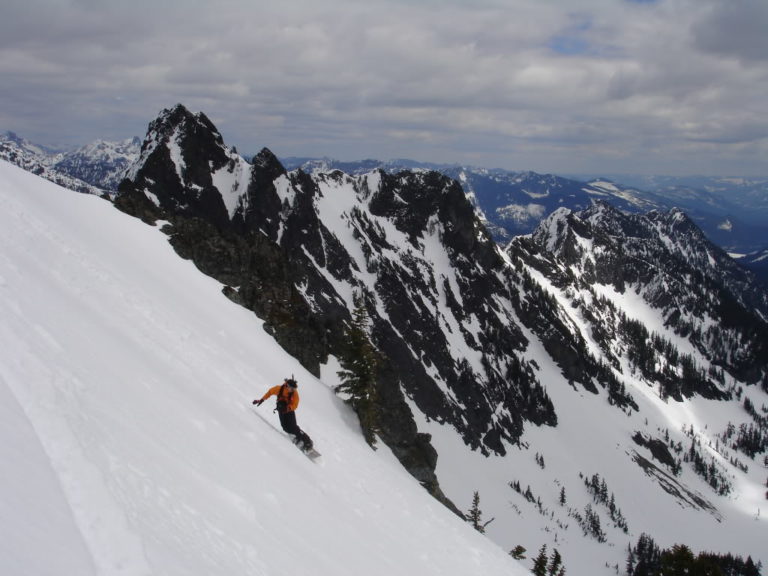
(285, 394)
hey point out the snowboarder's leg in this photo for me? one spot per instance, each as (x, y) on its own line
(304, 439)
(288, 422)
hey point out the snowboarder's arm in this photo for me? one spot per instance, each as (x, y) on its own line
(271, 392)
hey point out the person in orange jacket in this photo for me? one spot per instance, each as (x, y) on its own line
(287, 402)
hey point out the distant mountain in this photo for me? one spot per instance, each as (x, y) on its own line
(515, 203)
(29, 149)
(744, 197)
(733, 213)
(606, 347)
(757, 262)
(697, 289)
(101, 163)
(42, 162)
(96, 168)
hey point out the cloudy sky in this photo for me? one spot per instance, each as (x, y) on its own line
(563, 86)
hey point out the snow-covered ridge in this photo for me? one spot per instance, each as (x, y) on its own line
(101, 163)
(41, 162)
(522, 339)
(126, 384)
(481, 338)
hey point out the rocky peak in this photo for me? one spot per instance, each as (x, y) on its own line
(101, 163)
(179, 117)
(185, 168)
(267, 161)
(699, 292)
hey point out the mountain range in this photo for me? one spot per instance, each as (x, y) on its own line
(601, 378)
(42, 162)
(732, 212)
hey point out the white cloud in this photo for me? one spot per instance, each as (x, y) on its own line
(488, 81)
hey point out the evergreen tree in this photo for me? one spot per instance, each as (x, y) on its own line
(677, 562)
(518, 553)
(475, 515)
(646, 557)
(540, 563)
(555, 564)
(358, 375)
(630, 561)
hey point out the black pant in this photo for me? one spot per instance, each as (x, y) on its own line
(288, 422)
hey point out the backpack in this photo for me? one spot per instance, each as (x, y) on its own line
(282, 405)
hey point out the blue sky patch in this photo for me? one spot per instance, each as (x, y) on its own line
(569, 45)
(573, 40)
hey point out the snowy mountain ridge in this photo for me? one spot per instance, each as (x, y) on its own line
(514, 202)
(694, 287)
(42, 162)
(126, 383)
(490, 355)
(100, 163)
(590, 349)
(95, 168)
(731, 211)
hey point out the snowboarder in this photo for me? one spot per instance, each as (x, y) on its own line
(287, 402)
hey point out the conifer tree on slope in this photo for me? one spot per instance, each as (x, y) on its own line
(358, 375)
(475, 515)
(556, 567)
(540, 563)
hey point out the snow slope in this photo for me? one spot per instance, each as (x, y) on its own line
(593, 437)
(128, 439)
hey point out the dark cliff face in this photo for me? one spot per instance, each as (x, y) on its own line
(262, 207)
(175, 165)
(431, 306)
(239, 246)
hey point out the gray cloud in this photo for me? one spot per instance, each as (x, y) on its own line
(735, 28)
(551, 86)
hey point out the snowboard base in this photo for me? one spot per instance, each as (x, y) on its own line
(312, 454)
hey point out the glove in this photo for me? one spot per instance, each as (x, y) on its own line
(258, 402)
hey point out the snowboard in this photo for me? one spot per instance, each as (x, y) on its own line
(312, 453)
